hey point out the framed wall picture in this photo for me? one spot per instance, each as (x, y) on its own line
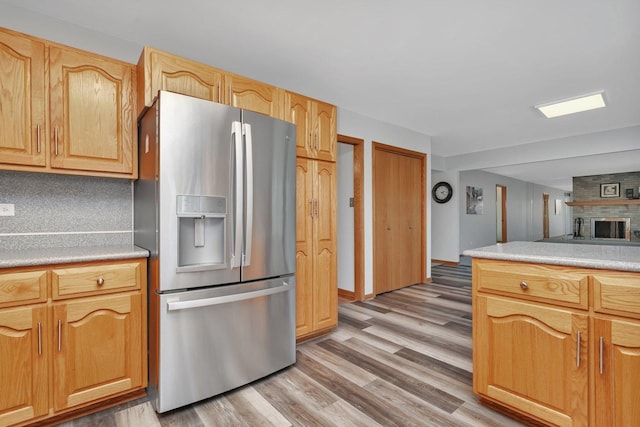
(610, 190)
(629, 193)
(475, 204)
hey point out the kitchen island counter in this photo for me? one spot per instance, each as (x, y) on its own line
(556, 331)
(61, 255)
(624, 258)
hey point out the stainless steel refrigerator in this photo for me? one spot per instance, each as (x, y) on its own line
(215, 206)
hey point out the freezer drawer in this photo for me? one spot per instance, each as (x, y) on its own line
(213, 340)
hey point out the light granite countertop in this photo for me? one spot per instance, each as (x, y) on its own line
(44, 256)
(606, 257)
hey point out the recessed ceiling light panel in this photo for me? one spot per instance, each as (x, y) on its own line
(572, 105)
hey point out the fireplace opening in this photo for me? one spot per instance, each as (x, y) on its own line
(610, 228)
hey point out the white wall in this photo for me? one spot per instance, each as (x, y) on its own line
(524, 210)
(358, 126)
(71, 35)
(346, 229)
(445, 219)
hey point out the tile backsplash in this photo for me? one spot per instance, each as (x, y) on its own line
(65, 210)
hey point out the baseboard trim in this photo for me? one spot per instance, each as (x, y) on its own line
(343, 293)
(449, 263)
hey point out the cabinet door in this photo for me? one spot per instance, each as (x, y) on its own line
(299, 113)
(324, 131)
(315, 122)
(304, 246)
(92, 113)
(617, 372)
(98, 348)
(324, 236)
(531, 358)
(254, 96)
(22, 101)
(163, 71)
(23, 364)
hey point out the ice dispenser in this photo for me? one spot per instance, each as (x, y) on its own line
(201, 232)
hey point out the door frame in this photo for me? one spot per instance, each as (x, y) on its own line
(545, 215)
(378, 146)
(358, 216)
(503, 207)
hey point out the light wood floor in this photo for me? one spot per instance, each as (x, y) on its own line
(401, 359)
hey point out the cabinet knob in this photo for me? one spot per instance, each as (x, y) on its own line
(524, 286)
(100, 281)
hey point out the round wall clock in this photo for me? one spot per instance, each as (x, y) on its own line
(442, 192)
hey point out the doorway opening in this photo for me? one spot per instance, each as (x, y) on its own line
(350, 219)
(501, 213)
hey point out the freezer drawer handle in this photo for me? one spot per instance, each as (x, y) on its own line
(181, 305)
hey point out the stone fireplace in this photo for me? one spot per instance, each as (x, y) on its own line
(610, 228)
(587, 189)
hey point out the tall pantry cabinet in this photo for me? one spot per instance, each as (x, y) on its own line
(316, 246)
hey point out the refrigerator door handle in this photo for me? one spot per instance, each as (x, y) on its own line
(248, 231)
(205, 302)
(236, 131)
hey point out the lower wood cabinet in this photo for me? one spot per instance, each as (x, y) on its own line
(24, 385)
(616, 371)
(533, 358)
(98, 349)
(557, 344)
(74, 348)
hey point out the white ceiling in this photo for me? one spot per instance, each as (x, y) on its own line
(466, 72)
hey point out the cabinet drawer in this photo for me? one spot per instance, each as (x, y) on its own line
(532, 281)
(23, 287)
(617, 293)
(104, 278)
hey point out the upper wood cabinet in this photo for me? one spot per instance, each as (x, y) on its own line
(315, 121)
(158, 70)
(23, 130)
(92, 112)
(255, 96)
(324, 128)
(82, 122)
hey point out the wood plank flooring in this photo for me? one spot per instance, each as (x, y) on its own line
(401, 359)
